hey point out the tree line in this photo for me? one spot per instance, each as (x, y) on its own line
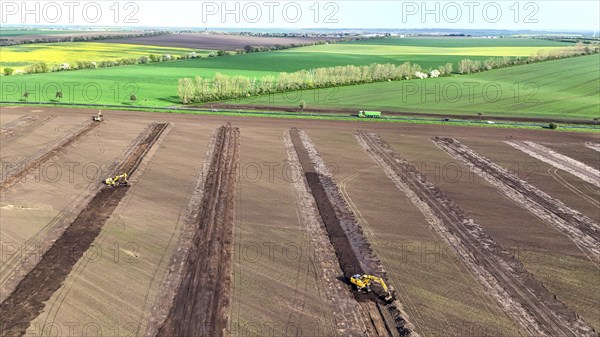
(222, 87)
(83, 38)
(468, 66)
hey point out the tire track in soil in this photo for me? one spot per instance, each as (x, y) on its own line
(558, 160)
(41, 156)
(353, 251)
(593, 146)
(21, 127)
(201, 305)
(27, 301)
(553, 172)
(506, 279)
(583, 231)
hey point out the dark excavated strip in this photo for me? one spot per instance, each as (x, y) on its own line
(343, 249)
(201, 305)
(27, 300)
(347, 258)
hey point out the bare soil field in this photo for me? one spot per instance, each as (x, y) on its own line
(14, 174)
(57, 37)
(282, 280)
(558, 160)
(202, 304)
(26, 302)
(20, 127)
(215, 41)
(352, 248)
(522, 296)
(584, 231)
(593, 146)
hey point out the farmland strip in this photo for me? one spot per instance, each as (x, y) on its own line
(201, 305)
(349, 321)
(21, 127)
(171, 282)
(26, 302)
(560, 161)
(353, 250)
(593, 146)
(506, 279)
(11, 176)
(583, 231)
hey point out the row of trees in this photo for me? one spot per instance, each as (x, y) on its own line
(42, 67)
(222, 87)
(77, 38)
(468, 66)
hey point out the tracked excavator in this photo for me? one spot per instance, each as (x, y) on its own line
(363, 283)
(118, 180)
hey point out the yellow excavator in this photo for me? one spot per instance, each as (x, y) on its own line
(363, 282)
(118, 180)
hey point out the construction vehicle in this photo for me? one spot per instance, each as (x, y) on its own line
(118, 180)
(98, 117)
(363, 283)
(369, 114)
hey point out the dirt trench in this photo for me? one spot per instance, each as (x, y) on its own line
(558, 160)
(352, 249)
(506, 279)
(27, 301)
(13, 175)
(348, 320)
(583, 231)
(201, 306)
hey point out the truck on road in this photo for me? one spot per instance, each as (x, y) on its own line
(369, 114)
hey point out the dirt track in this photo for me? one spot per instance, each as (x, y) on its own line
(560, 161)
(581, 229)
(12, 175)
(28, 299)
(201, 306)
(506, 279)
(353, 251)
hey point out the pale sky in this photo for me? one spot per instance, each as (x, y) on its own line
(528, 15)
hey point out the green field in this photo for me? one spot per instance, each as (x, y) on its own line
(156, 84)
(20, 56)
(565, 88)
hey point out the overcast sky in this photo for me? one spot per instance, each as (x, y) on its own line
(532, 15)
